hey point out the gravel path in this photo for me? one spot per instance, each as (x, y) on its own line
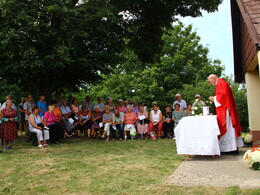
(222, 171)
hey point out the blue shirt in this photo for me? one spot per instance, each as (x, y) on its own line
(43, 106)
(182, 103)
(107, 117)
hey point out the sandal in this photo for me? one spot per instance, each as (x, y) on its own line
(45, 145)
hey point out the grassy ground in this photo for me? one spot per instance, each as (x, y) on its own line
(80, 166)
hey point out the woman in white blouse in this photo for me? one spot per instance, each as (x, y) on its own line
(156, 119)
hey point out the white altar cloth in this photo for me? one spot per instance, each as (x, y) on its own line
(197, 135)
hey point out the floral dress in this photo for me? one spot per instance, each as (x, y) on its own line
(9, 130)
(95, 124)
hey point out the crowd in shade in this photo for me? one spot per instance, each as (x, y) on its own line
(61, 119)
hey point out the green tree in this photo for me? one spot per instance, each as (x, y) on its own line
(183, 61)
(13, 89)
(48, 45)
(146, 20)
(239, 92)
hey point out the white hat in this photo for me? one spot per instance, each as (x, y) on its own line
(177, 95)
(197, 95)
(120, 100)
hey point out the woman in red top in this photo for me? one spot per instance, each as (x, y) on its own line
(130, 120)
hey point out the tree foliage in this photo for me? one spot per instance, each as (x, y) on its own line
(47, 45)
(147, 19)
(183, 61)
(14, 90)
(52, 44)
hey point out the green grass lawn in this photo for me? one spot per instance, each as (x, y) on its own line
(80, 166)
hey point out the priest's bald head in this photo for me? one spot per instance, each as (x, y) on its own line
(212, 79)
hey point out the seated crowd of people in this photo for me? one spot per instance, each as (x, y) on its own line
(67, 118)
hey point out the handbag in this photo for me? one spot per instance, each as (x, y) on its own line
(38, 124)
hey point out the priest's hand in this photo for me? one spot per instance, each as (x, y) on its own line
(211, 98)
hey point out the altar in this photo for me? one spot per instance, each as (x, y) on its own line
(197, 135)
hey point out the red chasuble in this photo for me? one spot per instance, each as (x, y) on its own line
(225, 97)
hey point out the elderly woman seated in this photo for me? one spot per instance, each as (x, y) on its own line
(130, 121)
(96, 120)
(55, 129)
(188, 111)
(107, 122)
(36, 126)
(156, 119)
(142, 125)
(177, 114)
(66, 118)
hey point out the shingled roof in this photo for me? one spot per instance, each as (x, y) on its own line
(246, 34)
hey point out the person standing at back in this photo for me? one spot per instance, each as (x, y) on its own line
(22, 125)
(100, 104)
(9, 97)
(87, 103)
(179, 101)
(110, 104)
(121, 107)
(28, 105)
(42, 106)
(70, 99)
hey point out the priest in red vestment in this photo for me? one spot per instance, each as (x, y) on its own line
(230, 129)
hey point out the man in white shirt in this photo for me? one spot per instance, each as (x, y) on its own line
(178, 100)
(9, 97)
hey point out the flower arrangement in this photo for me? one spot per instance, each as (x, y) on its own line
(196, 110)
(197, 107)
(252, 157)
(248, 139)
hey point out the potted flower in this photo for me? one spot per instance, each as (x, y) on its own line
(252, 157)
(248, 139)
